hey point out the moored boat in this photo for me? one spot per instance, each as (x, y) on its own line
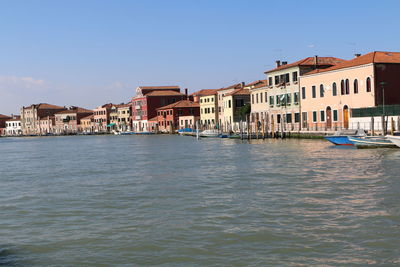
(371, 142)
(340, 138)
(210, 133)
(394, 139)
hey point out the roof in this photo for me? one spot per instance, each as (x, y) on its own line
(154, 119)
(14, 120)
(182, 104)
(159, 87)
(239, 92)
(47, 118)
(257, 84)
(45, 106)
(124, 106)
(310, 61)
(5, 117)
(205, 92)
(373, 57)
(234, 86)
(164, 93)
(88, 117)
(75, 110)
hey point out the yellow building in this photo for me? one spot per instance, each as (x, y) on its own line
(209, 109)
(233, 102)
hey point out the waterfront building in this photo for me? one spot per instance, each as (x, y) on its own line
(69, 121)
(209, 108)
(259, 100)
(146, 102)
(196, 95)
(112, 126)
(47, 125)
(31, 115)
(221, 123)
(87, 124)
(102, 118)
(188, 121)
(3, 119)
(284, 90)
(233, 102)
(13, 126)
(328, 95)
(124, 117)
(168, 116)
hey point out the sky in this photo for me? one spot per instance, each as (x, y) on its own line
(88, 53)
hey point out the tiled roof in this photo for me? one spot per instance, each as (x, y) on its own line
(257, 84)
(373, 57)
(310, 61)
(182, 104)
(47, 118)
(159, 87)
(5, 117)
(88, 117)
(234, 86)
(14, 120)
(45, 106)
(75, 110)
(164, 93)
(204, 92)
(239, 92)
(154, 119)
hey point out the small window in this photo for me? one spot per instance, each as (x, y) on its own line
(314, 92)
(297, 117)
(368, 84)
(276, 79)
(342, 91)
(266, 97)
(321, 90)
(335, 115)
(355, 86)
(294, 76)
(252, 98)
(271, 100)
(314, 116)
(303, 93)
(289, 118)
(257, 98)
(261, 98)
(347, 87)
(229, 104)
(322, 113)
(270, 81)
(296, 97)
(334, 89)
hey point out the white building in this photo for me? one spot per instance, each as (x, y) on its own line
(13, 127)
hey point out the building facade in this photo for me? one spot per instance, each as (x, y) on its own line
(30, 116)
(233, 103)
(221, 123)
(13, 127)
(102, 118)
(168, 116)
(69, 121)
(124, 122)
(209, 109)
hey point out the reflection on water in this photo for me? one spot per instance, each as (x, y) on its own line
(175, 201)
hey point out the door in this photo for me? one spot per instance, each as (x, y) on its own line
(328, 118)
(346, 117)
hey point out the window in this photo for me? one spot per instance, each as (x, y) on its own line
(252, 98)
(271, 100)
(296, 98)
(303, 93)
(322, 113)
(314, 92)
(334, 89)
(289, 118)
(287, 78)
(297, 117)
(270, 81)
(261, 98)
(342, 87)
(347, 87)
(257, 98)
(355, 86)
(304, 116)
(335, 115)
(212, 110)
(368, 84)
(276, 80)
(321, 90)
(288, 98)
(266, 97)
(278, 100)
(229, 104)
(314, 116)
(294, 76)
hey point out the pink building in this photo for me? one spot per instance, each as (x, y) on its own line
(46, 125)
(328, 95)
(69, 121)
(102, 117)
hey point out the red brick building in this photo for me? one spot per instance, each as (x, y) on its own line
(69, 121)
(146, 102)
(168, 116)
(3, 119)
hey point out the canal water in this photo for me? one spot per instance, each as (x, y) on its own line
(176, 201)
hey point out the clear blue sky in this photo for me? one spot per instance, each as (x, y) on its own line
(87, 53)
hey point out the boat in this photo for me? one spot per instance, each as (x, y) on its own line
(371, 142)
(210, 133)
(394, 139)
(340, 138)
(187, 131)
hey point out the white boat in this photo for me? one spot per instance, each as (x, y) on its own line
(210, 133)
(394, 139)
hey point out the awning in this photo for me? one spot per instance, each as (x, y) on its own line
(111, 125)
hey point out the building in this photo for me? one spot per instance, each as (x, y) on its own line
(233, 103)
(221, 123)
(146, 102)
(283, 107)
(209, 109)
(259, 100)
(3, 120)
(30, 116)
(69, 121)
(47, 125)
(328, 95)
(102, 118)
(124, 122)
(196, 95)
(13, 126)
(168, 116)
(87, 124)
(188, 121)
(113, 125)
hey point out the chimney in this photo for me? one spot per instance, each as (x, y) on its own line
(357, 55)
(242, 85)
(284, 63)
(278, 63)
(316, 61)
(186, 91)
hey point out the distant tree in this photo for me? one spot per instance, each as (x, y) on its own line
(242, 112)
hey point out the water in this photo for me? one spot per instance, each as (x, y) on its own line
(175, 201)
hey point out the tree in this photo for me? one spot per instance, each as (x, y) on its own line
(243, 111)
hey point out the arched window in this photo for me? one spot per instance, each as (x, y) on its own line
(347, 87)
(368, 84)
(355, 86)
(342, 87)
(321, 90)
(334, 89)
